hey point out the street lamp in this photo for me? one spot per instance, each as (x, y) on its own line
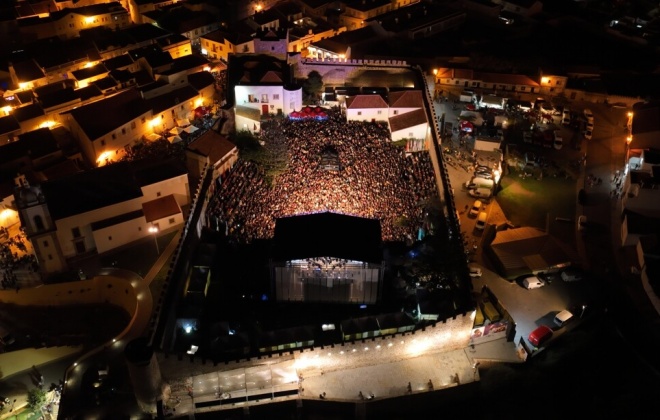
(154, 230)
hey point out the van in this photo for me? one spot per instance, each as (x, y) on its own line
(532, 282)
(480, 182)
(481, 193)
(540, 335)
(481, 221)
(563, 317)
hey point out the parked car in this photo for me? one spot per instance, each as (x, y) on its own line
(476, 208)
(484, 175)
(531, 282)
(587, 134)
(481, 221)
(481, 193)
(528, 137)
(562, 318)
(572, 274)
(559, 142)
(590, 125)
(582, 223)
(589, 115)
(540, 335)
(566, 117)
(475, 271)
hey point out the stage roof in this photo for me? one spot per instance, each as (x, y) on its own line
(327, 235)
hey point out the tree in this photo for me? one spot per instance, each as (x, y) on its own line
(36, 398)
(313, 85)
(159, 149)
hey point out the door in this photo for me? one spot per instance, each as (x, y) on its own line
(264, 109)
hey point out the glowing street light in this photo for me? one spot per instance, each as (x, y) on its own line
(154, 231)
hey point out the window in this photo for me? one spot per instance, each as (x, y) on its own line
(109, 238)
(380, 112)
(114, 136)
(359, 112)
(158, 194)
(558, 83)
(143, 120)
(38, 222)
(396, 112)
(45, 244)
(264, 98)
(50, 257)
(75, 232)
(552, 89)
(523, 88)
(123, 131)
(171, 220)
(456, 82)
(133, 125)
(102, 142)
(276, 97)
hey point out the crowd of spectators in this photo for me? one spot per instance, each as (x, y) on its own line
(376, 180)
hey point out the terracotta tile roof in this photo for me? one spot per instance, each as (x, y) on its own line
(160, 208)
(213, 145)
(406, 99)
(409, 119)
(365, 101)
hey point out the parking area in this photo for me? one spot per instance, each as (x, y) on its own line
(539, 189)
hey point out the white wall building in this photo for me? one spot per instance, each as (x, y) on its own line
(101, 209)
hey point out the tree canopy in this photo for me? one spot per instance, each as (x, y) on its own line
(313, 85)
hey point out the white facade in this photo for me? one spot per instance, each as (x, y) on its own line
(367, 114)
(394, 111)
(110, 237)
(265, 100)
(418, 131)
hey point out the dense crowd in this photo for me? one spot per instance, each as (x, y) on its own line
(375, 180)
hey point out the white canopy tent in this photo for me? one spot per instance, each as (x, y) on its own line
(190, 129)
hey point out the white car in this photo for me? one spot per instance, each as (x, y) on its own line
(589, 115)
(582, 223)
(532, 282)
(558, 143)
(476, 208)
(590, 125)
(475, 271)
(566, 119)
